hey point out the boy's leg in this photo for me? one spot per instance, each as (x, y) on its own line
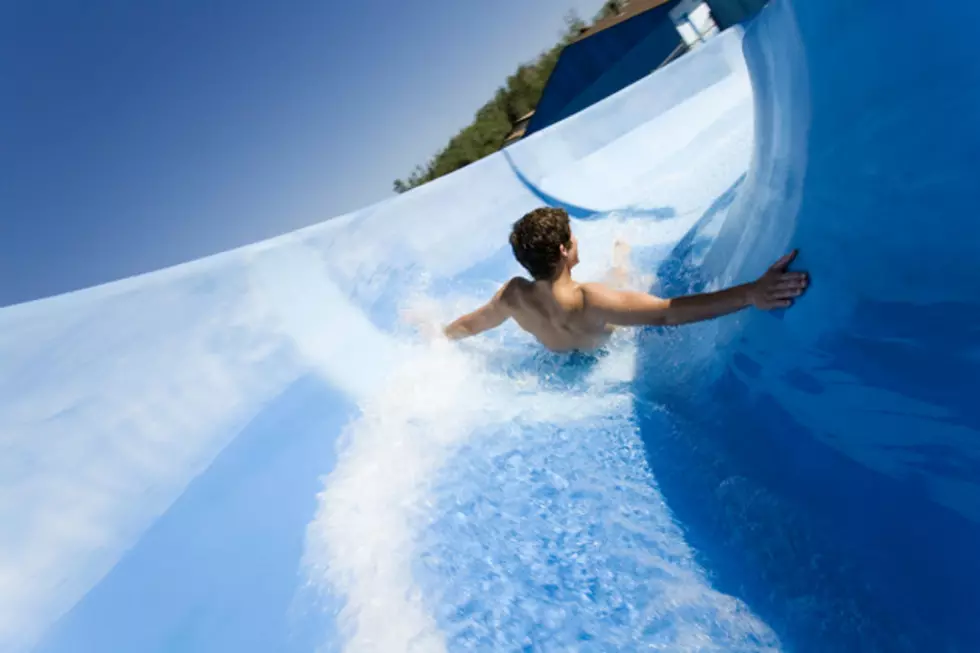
(619, 276)
(622, 276)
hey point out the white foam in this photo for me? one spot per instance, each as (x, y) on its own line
(331, 335)
(360, 544)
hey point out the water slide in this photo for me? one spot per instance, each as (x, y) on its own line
(257, 451)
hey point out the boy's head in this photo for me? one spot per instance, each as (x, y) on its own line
(542, 241)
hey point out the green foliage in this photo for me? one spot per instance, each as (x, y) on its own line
(611, 8)
(494, 120)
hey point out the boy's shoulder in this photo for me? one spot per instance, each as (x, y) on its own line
(514, 288)
(519, 283)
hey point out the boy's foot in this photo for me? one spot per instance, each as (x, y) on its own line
(619, 276)
(621, 254)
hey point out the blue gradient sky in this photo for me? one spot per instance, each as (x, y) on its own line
(135, 135)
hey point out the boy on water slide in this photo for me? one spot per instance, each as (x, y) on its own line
(565, 315)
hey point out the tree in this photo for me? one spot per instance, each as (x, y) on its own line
(495, 119)
(574, 26)
(611, 8)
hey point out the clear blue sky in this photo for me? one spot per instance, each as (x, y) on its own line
(135, 135)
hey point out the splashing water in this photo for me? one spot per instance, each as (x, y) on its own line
(492, 494)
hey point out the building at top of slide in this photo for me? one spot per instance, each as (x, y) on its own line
(640, 37)
(256, 452)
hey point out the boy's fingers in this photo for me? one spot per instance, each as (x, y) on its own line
(784, 293)
(792, 286)
(784, 262)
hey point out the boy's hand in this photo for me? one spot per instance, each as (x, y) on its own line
(777, 288)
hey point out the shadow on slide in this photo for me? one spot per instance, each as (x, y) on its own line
(232, 545)
(744, 495)
(823, 461)
(581, 212)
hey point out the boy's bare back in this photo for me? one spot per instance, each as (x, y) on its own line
(556, 315)
(566, 315)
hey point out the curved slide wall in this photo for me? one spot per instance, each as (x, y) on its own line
(843, 435)
(255, 452)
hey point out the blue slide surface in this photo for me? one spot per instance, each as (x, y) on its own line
(258, 451)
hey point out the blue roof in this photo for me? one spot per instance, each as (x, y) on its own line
(605, 62)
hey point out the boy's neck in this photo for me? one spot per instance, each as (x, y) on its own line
(563, 278)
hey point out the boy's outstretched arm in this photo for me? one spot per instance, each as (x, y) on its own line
(489, 316)
(777, 288)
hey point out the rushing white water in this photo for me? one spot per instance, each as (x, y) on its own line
(414, 466)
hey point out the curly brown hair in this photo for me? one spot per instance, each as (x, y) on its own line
(537, 239)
